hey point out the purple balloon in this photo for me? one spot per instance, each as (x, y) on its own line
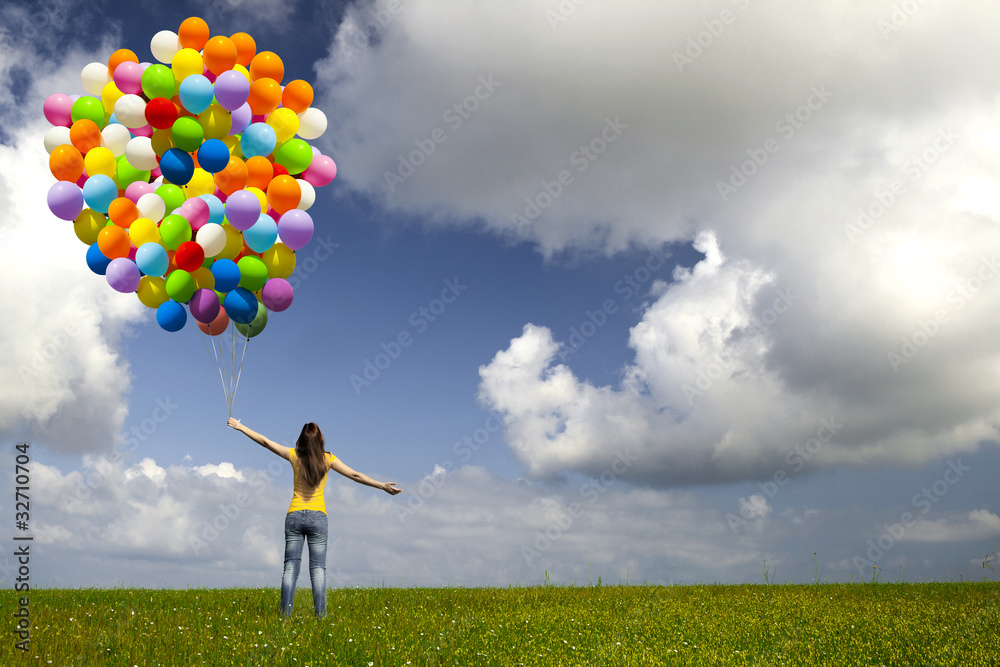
(123, 275)
(204, 305)
(295, 228)
(242, 209)
(277, 294)
(242, 117)
(231, 90)
(65, 200)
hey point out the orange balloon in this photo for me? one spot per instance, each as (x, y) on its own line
(267, 65)
(120, 56)
(85, 135)
(193, 33)
(233, 177)
(246, 48)
(66, 163)
(265, 96)
(216, 326)
(123, 212)
(220, 54)
(297, 95)
(260, 171)
(283, 193)
(113, 242)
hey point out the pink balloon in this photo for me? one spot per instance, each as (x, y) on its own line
(322, 170)
(196, 212)
(144, 131)
(57, 108)
(138, 189)
(277, 294)
(128, 77)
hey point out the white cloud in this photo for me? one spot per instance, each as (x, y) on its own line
(978, 524)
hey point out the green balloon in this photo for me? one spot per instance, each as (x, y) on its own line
(175, 230)
(294, 155)
(90, 108)
(253, 273)
(158, 81)
(127, 174)
(187, 134)
(257, 325)
(172, 196)
(180, 285)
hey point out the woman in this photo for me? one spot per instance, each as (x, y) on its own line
(306, 519)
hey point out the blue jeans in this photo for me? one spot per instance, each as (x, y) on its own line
(300, 526)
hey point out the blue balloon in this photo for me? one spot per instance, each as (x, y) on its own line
(240, 305)
(99, 191)
(227, 275)
(216, 209)
(97, 262)
(258, 139)
(196, 93)
(152, 259)
(213, 155)
(177, 166)
(171, 316)
(262, 235)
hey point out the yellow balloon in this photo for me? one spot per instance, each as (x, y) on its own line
(216, 122)
(234, 242)
(279, 260)
(285, 124)
(152, 291)
(100, 160)
(201, 183)
(233, 143)
(88, 225)
(203, 278)
(185, 63)
(109, 96)
(242, 70)
(261, 196)
(143, 230)
(162, 141)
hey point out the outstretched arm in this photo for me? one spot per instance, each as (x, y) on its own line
(280, 450)
(361, 478)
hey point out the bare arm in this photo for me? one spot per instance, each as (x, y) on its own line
(361, 478)
(280, 450)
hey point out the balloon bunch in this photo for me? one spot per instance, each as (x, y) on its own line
(190, 179)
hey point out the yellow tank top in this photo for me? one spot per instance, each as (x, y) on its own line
(305, 498)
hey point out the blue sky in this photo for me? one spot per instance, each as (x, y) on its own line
(752, 317)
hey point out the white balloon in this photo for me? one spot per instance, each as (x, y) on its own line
(212, 238)
(312, 123)
(130, 110)
(308, 197)
(164, 45)
(94, 77)
(55, 137)
(151, 206)
(140, 154)
(115, 137)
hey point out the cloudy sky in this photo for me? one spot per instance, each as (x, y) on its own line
(646, 291)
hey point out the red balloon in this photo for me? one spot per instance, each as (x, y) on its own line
(161, 113)
(189, 256)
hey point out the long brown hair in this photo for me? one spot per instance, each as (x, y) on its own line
(312, 455)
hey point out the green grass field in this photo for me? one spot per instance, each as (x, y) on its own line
(825, 624)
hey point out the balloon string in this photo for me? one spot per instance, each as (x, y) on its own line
(212, 357)
(246, 343)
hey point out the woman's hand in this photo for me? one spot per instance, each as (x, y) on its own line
(234, 423)
(390, 488)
